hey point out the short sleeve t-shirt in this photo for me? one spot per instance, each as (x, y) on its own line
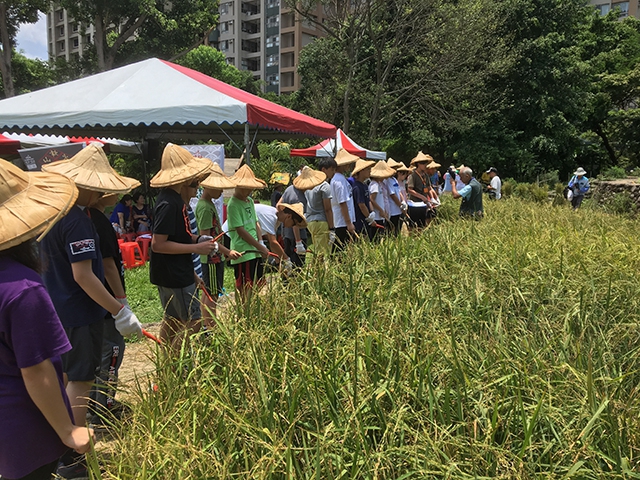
(73, 239)
(119, 208)
(109, 247)
(360, 195)
(341, 192)
(267, 218)
(418, 183)
(207, 218)
(242, 214)
(394, 189)
(172, 219)
(496, 185)
(315, 202)
(30, 333)
(379, 188)
(290, 196)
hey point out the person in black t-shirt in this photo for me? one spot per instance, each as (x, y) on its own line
(172, 244)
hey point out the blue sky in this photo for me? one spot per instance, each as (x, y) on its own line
(32, 39)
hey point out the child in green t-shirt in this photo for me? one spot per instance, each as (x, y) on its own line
(245, 232)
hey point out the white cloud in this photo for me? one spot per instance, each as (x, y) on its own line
(32, 39)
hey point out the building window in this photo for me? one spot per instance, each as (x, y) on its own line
(62, 30)
(273, 3)
(76, 27)
(61, 45)
(624, 8)
(88, 38)
(273, 41)
(272, 60)
(273, 21)
(226, 8)
(231, 60)
(273, 80)
(60, 15)
(76, 42)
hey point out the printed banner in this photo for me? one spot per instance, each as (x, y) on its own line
(215, 153)
(35, 158)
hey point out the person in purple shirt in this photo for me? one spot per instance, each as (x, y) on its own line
(35, 414)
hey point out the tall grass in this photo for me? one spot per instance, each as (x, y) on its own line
(503, 348)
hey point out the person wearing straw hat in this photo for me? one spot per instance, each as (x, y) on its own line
(379, 195)
(579, 185)
(279, 181)
(171, 266)
(342, 207)
(396, 185)
(420, 191)
(361, 201)
(245, 232)
(74, 278)
(35, 413)
(319, 213)
(209, 224)
(471, 195)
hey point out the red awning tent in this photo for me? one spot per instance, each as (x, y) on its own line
(330, 146)
(8, 146)
(10, 143)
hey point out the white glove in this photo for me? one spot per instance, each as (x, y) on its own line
(127, 323)
(332, 237)
(288, 266)
(371, 219)
(261, 242)
(300, 250)
(403, 206)
(123, 301)
(204, 238)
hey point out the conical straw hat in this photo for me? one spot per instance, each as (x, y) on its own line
(31, 203)
(393, 164)
(90, 169)
(244, 178)
(308, 179)
(296, 207)
(345, 158)
(217, 179)
(421, 158)
(361, 164)
(381, 170)
(404, 168)
(178, 166)
(434, 165)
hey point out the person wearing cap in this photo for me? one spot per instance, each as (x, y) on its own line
(421, 191)
(209, 224)
(398, 204)
(365, 216)
(245, 232)
(36, 420)
(344, 214)
(471, 195)
(295, 238)
(171, 267)
(379, 196)
(319, 213)
(495, 184)
(74, 278)
(579, 185)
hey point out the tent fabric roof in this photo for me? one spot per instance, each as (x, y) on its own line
(329, 147)
(10, 143)
(152, 96)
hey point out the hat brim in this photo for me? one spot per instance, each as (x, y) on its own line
(364, 165)
(88, 179)
(197, 167)
(217, 182)
(281, 207)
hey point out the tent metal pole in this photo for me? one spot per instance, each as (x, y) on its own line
(230, 139)
(247, 145)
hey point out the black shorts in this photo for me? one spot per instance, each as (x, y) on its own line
(249, 272)
(180, 303)
(82, 361)
(213, 278)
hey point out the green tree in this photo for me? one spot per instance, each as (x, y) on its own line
(12, 14)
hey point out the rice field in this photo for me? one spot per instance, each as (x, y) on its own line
(506, 348)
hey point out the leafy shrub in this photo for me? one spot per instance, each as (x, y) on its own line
(508, 186)
(549, 179)
(613, 173)
(558, 195)
(621, 204)
(531, 192)
(274, 157)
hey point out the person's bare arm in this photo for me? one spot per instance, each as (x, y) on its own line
(296, 234)
(328, 211)
(112, 276)
(84, 276)
(454, 190)
(363, 208)
(395, 199)
(121, 220)
(275, 247)
(43, 387)
(344, 209)
(413, 193)
(247, 237)
(374, 204)
(162, 244)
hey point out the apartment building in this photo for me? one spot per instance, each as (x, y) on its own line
(65, 37)
(266, 38)
(627, 8)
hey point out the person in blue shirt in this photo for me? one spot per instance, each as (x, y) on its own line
(120, 215)
(579, 185)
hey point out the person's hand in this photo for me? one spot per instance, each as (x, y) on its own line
(123, 301)
(371, 219)
(351, 229)
(287, 267)
(206, 248)
(234, 255)
(332, 237)
(204, 238)
(127, 323)
(264, 251)
(300, 249)
(403, 206)
(79, 439)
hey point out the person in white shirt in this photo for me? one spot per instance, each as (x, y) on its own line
(342, 207)
(397, 194)
(379, 193)
(495, 186)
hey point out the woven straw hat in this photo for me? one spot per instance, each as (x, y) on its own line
(308, 179)
(404, 168)
(393, 164)
(178, 166)
(381, 170)
(361, 164)
(296, 207)
(421, 158)
(244, 178)
(90, 169)
(345, 158)
(217, 179)
(31, 203)
(434, 165)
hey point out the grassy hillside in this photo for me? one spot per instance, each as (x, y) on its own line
(503, 348)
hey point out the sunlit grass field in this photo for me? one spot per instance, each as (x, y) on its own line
(503, 348)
